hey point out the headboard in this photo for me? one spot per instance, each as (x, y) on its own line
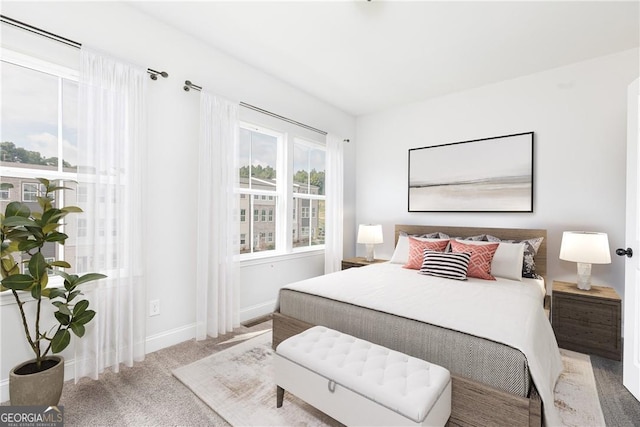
(501, 233)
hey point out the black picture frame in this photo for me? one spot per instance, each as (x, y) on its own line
(481, 175)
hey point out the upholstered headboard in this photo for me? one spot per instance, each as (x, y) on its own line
(501, 233)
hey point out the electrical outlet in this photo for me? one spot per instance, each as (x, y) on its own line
(154, 307)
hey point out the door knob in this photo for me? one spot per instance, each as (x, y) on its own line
(621, 252)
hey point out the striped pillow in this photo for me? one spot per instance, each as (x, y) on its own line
(450, 265)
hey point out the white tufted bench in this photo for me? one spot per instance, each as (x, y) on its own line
(360, 383)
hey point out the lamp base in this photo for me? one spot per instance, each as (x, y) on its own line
(584, 276)
(369, 257)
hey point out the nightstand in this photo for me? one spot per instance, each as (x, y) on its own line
(587, 321)
(359, 262)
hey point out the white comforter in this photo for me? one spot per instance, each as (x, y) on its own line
(506, 311)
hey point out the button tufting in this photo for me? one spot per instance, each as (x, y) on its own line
(383, 375)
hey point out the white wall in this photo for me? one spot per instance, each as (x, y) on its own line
(578, 114)
(124, 32)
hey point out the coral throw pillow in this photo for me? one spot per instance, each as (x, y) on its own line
(417, 248)
(481, 257)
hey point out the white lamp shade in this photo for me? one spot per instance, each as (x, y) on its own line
(585, 247)
(370, 234)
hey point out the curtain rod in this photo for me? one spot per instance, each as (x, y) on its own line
(188, 85)
(153, 74)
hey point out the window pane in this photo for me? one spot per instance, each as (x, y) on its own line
(29, 131)
(309, 164)
(300, 168)
(244, 161)
(244, 203)
(263, 228)
(258, 154)
(317, 222)
(258, 220)
(264, 155)
(69, 125)
(317, 162)
(26, 190)
(302, 223)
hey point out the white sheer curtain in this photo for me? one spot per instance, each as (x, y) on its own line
(218, 270)
(111, 240)
(334, 208)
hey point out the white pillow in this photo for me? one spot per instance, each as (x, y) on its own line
(401, 252)
(507, 261)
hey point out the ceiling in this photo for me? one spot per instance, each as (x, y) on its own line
(365, 56)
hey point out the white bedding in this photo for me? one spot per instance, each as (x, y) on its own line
(506, 311)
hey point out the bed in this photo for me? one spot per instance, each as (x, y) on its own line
(492, 381)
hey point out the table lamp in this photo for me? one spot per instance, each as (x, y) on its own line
(585, 248)
(370, 235)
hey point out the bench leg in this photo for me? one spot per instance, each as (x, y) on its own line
(279, 396)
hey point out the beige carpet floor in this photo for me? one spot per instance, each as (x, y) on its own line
(147, 394)
(238, 384)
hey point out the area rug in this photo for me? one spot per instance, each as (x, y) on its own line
(238, 384)
(576, 396)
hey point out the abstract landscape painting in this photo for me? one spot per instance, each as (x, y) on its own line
(484, 175)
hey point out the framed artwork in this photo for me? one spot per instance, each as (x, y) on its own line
(483, 175)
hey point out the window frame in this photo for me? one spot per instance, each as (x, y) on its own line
(259, 214)
(307, 212)
(61, 73)
(284, 209)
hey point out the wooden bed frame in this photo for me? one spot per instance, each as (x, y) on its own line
(473, 403)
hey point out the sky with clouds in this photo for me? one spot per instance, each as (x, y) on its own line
(262, 150)
(30, 106)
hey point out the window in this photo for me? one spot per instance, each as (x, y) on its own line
(243, 212)
(81, 230)
(30, 192)
(259, 151)
(39, 138)
(309, 160)
(305, 212)
(294, 202)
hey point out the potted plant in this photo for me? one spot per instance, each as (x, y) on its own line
(24, 234)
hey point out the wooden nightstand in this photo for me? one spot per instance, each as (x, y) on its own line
(359, 262)
(587, 321)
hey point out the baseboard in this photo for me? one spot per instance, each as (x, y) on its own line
(258, 310)
(171, 337)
